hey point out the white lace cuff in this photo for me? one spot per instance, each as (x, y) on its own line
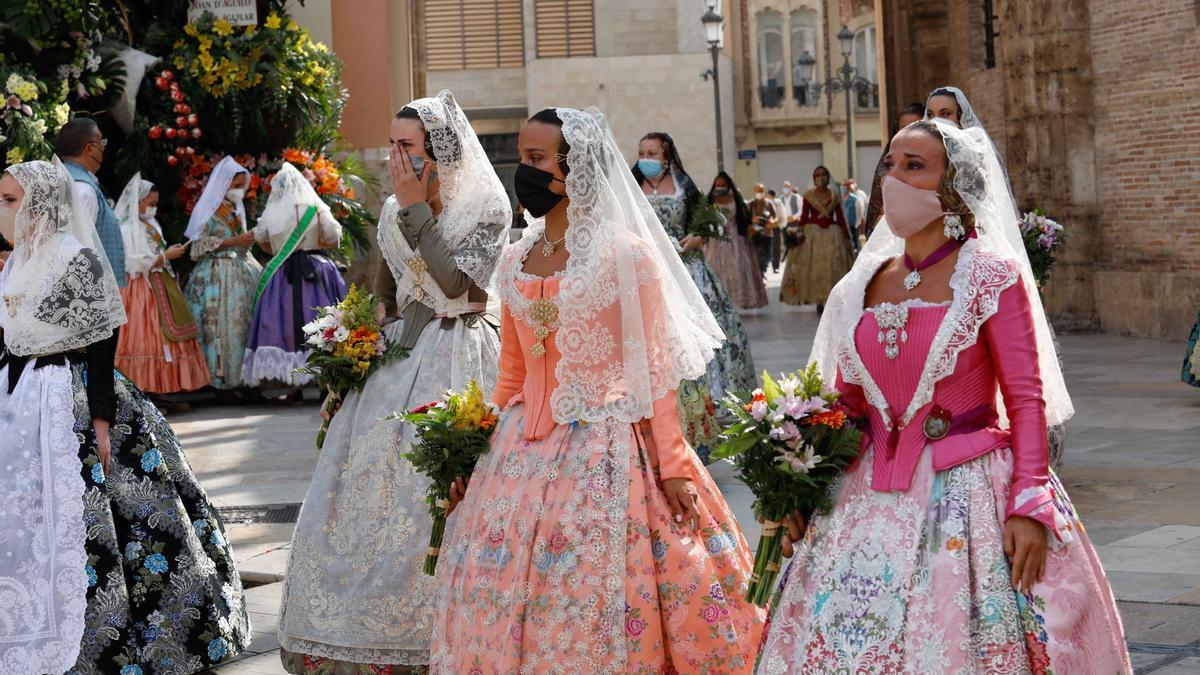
(1043, 503)
(203, 246)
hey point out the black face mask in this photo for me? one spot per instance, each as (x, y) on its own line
(721, 192)
(533, 190)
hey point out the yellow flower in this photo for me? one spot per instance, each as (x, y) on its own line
(206, 60)
(40, 127)
(24, 89)
(272, 21)
(222, 28)
(206, 43)
(292, 26)
(320, 46)
(191, 29)
(15, 155)
(180, 62)
(62, 113)
(250, 30)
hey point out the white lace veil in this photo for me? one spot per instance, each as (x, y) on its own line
(212, 196)
(291, 195)
(967, 119)
(981, 182)
(133, 232)
(476, 212)
(59, 290)
(632, 324)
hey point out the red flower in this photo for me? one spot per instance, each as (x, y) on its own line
(155, 132)
(420, 410)
(1039, 659)
(634, 626)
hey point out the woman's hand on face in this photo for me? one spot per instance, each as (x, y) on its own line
(1025, 544)
(409, 188)
(682, 498)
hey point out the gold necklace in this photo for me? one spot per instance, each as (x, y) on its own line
(550, 246)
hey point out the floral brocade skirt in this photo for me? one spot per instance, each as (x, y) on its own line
(220, 293)
(918, 582)
(814, 267)
(565, 559)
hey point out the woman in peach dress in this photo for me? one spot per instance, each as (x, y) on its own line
(591, 539)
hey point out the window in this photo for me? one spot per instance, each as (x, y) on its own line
(867, 66)
(989, 35)
(466, 34)
(804, 40)
(770, 58)
(565, 28)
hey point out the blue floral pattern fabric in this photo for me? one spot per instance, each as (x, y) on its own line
(732, 369)
(163, 596)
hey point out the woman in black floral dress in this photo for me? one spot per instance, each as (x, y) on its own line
(114, 559)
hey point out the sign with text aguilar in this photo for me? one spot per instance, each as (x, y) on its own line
(236, 12)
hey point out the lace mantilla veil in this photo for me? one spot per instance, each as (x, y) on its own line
(214, 193)
(291, 195)
(983, 185)
(632, 324)
(59, 290)
(476, 212)
(133, 231)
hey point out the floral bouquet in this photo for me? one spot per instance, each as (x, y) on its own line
(452, 434)
(347, 346)
(706, 221)
(791, 443)
(1043, 237)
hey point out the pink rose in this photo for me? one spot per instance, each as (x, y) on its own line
(712, 614)
(634, 626)
(558, 543)
(495, 536)
(516, 633)
(14, 102)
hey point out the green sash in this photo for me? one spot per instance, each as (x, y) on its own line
(288, 247)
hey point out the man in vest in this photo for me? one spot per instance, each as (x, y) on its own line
(80, 146)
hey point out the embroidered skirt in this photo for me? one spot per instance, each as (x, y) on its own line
(917, 582)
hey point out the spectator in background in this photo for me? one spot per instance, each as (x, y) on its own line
(762, 213)
(777, 224)
(912, 112)
(855, 201)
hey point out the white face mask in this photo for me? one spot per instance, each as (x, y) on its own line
(149, 212)
(8, 224)
(235, 195)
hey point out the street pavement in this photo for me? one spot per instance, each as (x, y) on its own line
(1132, 468)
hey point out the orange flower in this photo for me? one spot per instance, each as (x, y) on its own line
(835, 419)
(363, 334)
(297, 156)
(348, 193)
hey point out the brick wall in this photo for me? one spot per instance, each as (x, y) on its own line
(1146, 65)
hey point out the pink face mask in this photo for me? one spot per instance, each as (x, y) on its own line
(908, 209)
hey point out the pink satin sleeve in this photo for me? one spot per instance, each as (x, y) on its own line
(665, 444)
(511, 379)
(1013, 346)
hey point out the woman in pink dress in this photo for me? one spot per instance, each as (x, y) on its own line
(952, 546)
(591, 539)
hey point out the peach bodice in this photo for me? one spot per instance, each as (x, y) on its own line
(529, 379)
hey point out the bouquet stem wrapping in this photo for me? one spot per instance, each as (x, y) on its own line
(331, 406)
(439, 512)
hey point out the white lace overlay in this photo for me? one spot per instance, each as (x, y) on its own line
(632, 324)
(59, 290)
(978, 280)
(355, 590)
(43, 583)
(409, 269)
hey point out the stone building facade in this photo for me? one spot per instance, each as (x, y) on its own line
(1096, 107)
(784, 129)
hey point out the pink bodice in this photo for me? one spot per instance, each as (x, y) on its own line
(894, 344)
(529, 379)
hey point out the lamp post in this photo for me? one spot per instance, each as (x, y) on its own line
(713, 34)
(848, 79)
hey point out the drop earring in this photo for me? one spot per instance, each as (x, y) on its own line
(953, 226)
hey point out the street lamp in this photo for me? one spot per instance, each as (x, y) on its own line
(847, 80)
(713, 33)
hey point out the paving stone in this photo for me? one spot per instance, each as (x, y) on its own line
(1188, 666)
